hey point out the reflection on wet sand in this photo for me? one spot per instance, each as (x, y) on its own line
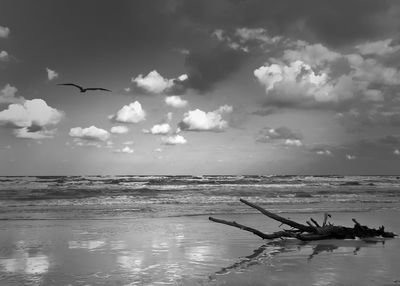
(266, 252)
(290, 262)
(26, 260)
(90, 244)
(25, 264)
(176, 251)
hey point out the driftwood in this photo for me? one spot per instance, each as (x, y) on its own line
(312, 231)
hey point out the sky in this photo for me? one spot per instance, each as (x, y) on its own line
(200, 87)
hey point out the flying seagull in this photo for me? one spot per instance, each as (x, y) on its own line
(82, 89)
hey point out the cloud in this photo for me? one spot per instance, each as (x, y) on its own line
(153, 82)
(119, 129)
(51, 74)
(126, 149)
(7, 95)
(251, 24)
(293, 142)
(396, 152)
(311, 20)
(34, 114)
(175, 101)
(255, 34)
(91, 133)
(174, 140)
(198, 120)
(245, 39)
(4, 32)
(4, 56)
(132, 113)
(311, 54)
(323, 152)
(374, 95)
(350, 157)
(157, 129)
(380, 48)
(362, 89)
(24, 133)
(30, 119)
(371, 71)
(207, 65)
(281, 135)
(296, 84)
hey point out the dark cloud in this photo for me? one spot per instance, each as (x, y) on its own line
(332, 22)
(206, 67)
(311, 20)
(114, 31)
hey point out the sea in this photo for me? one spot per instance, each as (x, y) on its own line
(111, 197)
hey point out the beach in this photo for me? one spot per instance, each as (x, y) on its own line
(191, 250)
(155, 231)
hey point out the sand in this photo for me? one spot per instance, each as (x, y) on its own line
(191, 250)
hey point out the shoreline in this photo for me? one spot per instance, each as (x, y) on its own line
(250, 212)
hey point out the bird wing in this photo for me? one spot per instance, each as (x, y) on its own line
(72, 84)
(97, 88)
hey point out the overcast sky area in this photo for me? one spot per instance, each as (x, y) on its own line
(200, 87)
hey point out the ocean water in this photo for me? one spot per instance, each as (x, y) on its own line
(103, 197)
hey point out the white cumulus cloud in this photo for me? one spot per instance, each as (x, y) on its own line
(350, 157)
(119, 129)
(175, 101)
(51, 74)
(4, 56)
(298, 79)
(91, 133)
(323, 152)
(174, 140)
(311, 54)
(293, 142)
(132, 113)
(4, 32)
(7, 95)
(155, 83)
(198, 120)
(33, 113)
(126, 149)
(163, 129)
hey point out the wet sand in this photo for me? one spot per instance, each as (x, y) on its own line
(191, 250)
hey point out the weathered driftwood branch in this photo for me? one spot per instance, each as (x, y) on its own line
(309, 232)
(278, 234)
(326, 215)
(283, 220)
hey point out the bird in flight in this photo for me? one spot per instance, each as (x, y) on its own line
(82, 89)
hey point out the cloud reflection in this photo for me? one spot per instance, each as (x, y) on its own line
(25, 264)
